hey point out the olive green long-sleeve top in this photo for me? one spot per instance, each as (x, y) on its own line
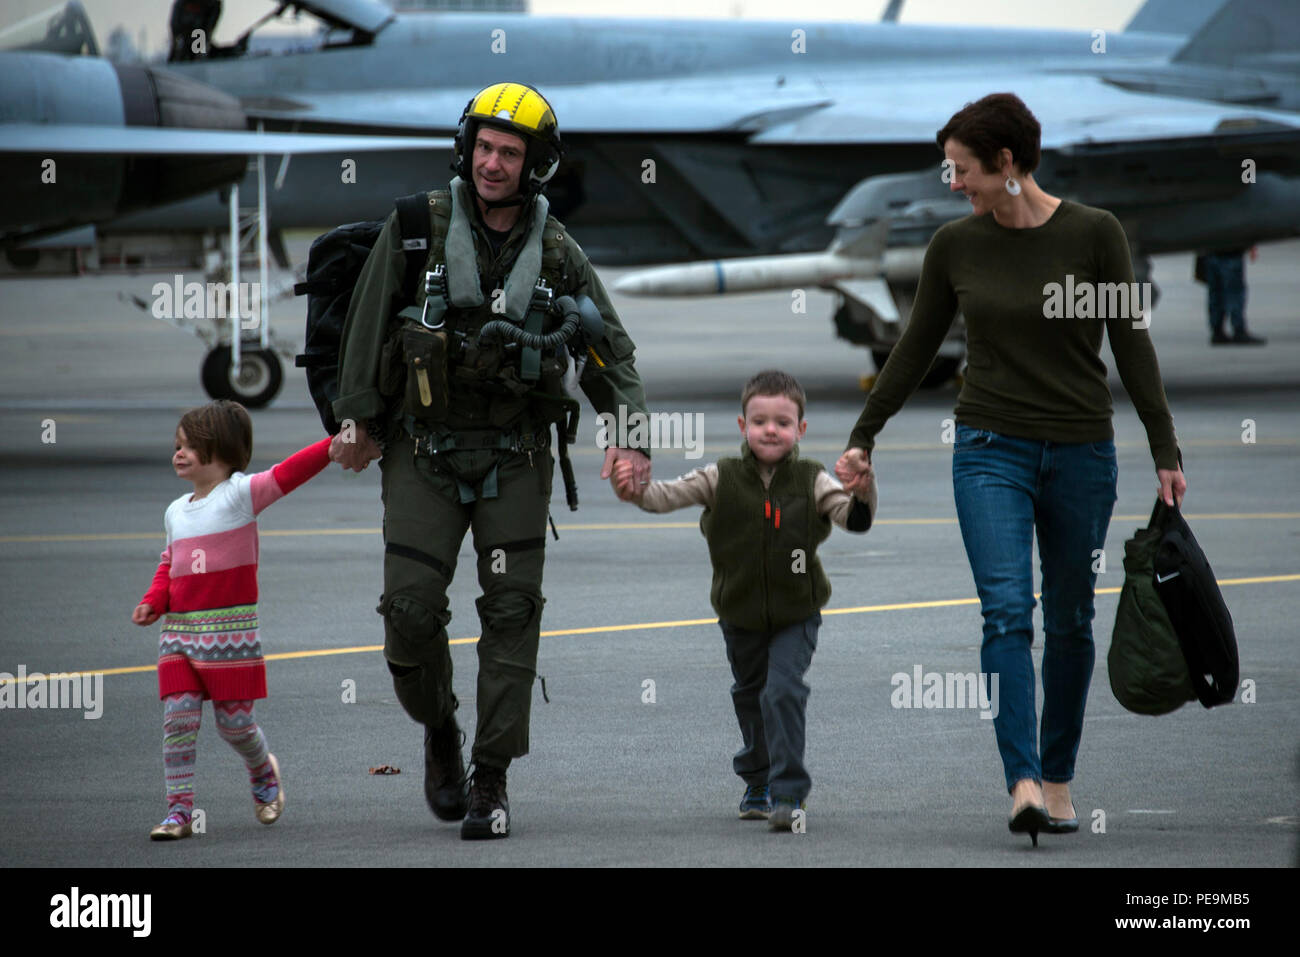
(609, 380)
(1033, 348)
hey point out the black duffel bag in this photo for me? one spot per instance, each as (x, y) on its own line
(1187, 588)
(1148, 674)
(1173, 640)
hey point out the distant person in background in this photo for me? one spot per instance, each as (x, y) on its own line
(1224, 275)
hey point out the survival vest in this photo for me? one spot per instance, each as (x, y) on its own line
(334, 264)
(485, 389)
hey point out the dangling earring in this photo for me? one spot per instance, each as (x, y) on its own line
(1012, 186)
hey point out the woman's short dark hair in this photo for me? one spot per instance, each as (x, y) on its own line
(996, 122)
(221, 429)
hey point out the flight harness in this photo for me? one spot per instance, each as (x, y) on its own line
(549, 365)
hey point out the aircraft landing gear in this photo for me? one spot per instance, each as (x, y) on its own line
(260, 376)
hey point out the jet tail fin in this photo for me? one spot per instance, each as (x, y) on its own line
(1248, 34)
(1177, 17)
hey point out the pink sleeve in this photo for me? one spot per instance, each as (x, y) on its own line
(279, 480)
(157, 595)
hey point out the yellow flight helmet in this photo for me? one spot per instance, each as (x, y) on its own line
(515, 108)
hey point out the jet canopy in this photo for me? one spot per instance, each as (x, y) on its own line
(367, 16)
(61, 29)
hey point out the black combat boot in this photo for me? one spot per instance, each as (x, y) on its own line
(444, 772)
(489, 808)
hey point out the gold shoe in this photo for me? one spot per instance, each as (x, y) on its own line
(170, 830)
(270, 813)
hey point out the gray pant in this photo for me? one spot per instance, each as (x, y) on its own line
(771, 701)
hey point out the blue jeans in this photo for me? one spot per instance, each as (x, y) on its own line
(1225, 287)
(1006, 489)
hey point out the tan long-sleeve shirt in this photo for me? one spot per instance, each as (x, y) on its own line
(699, 486)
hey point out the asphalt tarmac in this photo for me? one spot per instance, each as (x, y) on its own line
(630, 761)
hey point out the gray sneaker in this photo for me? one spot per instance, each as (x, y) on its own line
(784, 818)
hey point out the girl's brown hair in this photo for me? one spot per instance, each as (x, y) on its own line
(221, 429)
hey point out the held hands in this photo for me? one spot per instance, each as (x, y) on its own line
(625, 483)
(354, 455)
(1172, 485)
(144, 614)
(854, 471)
(628, 471)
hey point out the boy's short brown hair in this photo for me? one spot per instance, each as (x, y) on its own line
(221, 429)
(774, 382)
(996, 122)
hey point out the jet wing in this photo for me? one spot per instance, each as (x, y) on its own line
(1072, 109)
(732, 102)
(63, 138)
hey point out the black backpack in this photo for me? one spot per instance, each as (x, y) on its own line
(1187, 588)
(333, 265)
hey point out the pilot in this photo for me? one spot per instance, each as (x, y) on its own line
(188, 18)
(464, 444)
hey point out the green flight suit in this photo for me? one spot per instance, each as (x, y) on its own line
(425, 511)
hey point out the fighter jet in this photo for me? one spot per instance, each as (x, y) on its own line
(692, 139)
(695, 139)
(83, 140)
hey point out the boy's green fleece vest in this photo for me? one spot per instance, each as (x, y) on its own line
(763, 543)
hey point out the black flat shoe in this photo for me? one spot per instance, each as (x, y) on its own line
(1246, 339)
(1031, 819)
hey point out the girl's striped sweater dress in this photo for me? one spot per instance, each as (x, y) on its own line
(206, 583)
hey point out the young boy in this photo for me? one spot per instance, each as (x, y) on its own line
(765, 513)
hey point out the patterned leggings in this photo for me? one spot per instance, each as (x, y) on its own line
(181, 715)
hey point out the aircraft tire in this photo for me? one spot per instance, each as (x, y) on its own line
(261, 376)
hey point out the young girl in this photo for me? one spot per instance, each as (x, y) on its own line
(206, 585)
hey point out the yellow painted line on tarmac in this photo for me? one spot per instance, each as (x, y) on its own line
(322, 652)
(613, 629)
(604, 527)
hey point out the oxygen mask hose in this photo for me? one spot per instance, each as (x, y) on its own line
(577, 315)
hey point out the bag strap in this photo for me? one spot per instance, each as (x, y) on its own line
(414, 231)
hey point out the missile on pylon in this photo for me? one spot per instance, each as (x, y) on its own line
(839, 263)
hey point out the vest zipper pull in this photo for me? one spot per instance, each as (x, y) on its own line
(767, 508)
(778, 516)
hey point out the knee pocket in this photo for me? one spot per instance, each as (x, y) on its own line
(413, 615)
(509, 611)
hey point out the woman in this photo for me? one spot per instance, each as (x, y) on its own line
(1034, 447)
